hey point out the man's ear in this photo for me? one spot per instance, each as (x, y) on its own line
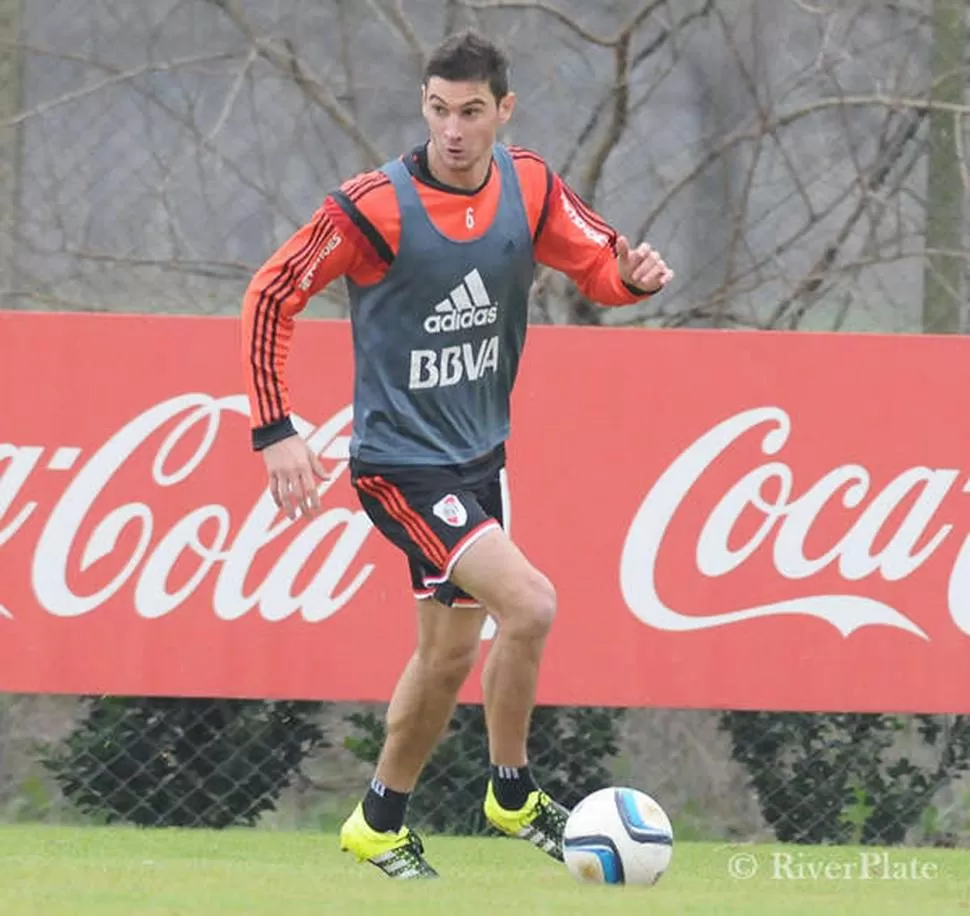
(506, 107)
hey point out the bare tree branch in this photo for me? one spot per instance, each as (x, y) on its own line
(961, 154)
(287, 61)
(920, 16)
(392, 14)
(273, 200)
(452, 8)
(619, 111)
(622, 34)
(785, 119)
(116, 78)
(599, 110)
(888, 155)
(221, 269)
(646, 10)
(232, 95)
(549, 9)
(710, 309)
(349, 96)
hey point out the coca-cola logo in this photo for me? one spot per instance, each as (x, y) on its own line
(173, 440)
(319, 567)
(786, 521)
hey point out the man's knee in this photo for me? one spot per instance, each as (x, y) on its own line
(520, 597)
(530, 608)
(448, 666)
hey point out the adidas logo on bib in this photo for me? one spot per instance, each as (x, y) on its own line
(467, 306)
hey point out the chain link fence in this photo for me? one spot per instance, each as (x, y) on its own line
(154, 153)
(728, 776)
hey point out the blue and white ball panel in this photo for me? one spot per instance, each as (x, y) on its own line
(596, 859)
(635, 823)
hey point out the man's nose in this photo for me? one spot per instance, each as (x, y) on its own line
(452, 129)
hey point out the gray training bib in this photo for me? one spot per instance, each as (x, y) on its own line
(437, 342)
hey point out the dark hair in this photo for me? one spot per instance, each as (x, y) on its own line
(470, 57)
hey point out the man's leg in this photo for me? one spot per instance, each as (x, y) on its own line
(420, 709)
(425, 696)
(449, 524)
(523, 602)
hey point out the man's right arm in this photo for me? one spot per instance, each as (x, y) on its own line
(340, 239)
(354, 233)
(313, 257)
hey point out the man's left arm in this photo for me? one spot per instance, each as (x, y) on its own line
(577, 241)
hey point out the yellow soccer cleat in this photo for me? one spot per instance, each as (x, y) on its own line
(540, 820)
(398, 855)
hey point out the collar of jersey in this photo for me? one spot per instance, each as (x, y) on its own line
(417, 164)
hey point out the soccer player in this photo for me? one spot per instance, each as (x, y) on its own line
(438, 248)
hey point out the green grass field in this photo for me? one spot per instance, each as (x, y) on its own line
(54, 871)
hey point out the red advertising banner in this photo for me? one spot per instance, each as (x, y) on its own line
(732, 519)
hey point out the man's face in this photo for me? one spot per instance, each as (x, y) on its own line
(463, 120)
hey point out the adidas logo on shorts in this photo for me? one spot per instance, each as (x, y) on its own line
(467, 306)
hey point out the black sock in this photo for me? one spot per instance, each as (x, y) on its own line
(512, 786)
(384, 808)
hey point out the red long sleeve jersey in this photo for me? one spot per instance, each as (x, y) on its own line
(355, 233)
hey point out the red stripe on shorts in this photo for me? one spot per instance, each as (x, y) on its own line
(394, 503)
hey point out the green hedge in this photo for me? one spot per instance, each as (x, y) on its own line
(183, 762)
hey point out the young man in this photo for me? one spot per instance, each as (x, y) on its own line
(438, 248)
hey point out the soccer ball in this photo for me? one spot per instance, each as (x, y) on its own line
(618, 836)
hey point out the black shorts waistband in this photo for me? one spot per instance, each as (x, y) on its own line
(493, 459)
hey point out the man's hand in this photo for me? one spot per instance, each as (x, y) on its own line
(642, 267)
(292, 470)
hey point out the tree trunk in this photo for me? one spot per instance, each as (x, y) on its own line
(11, 101)
(943, 275)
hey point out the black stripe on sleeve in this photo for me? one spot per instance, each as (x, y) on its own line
(268, 309)
(366, 227)
(544, 213)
